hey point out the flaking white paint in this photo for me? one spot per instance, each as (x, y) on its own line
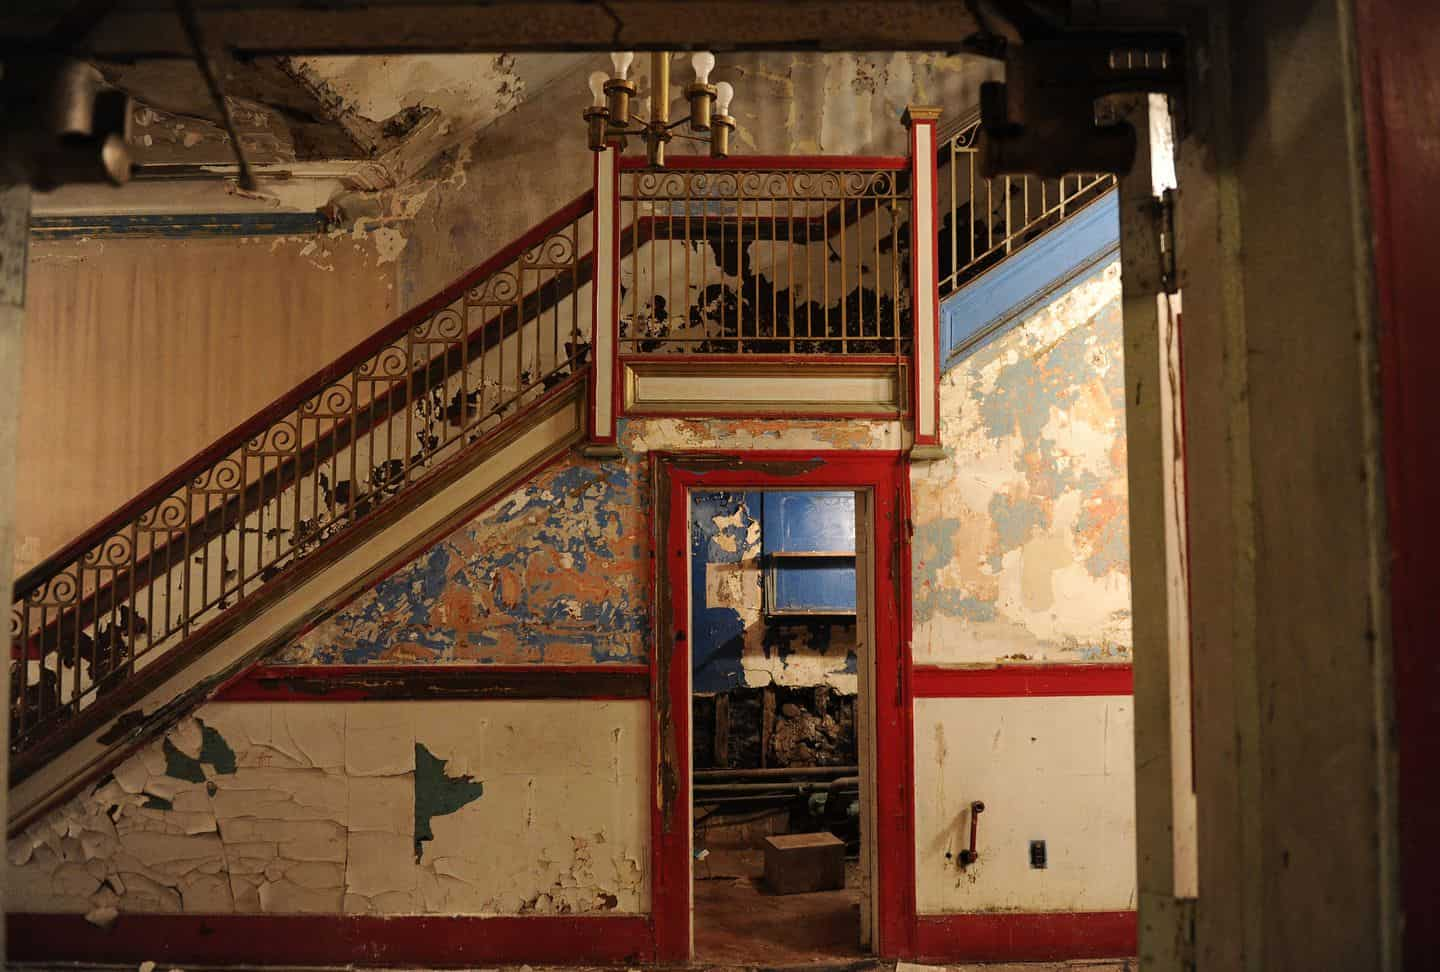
(319, 816)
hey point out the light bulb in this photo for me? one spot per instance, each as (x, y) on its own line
(724, 94)
(622, 61)
(703, 62)
(597, 88)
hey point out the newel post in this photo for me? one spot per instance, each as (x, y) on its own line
(604, 344)
(924, 283)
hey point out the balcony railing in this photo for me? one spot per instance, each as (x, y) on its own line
(766, 256)
(982, 221)
(325, 457)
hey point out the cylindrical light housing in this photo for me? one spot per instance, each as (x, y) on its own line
(720, 128)
(702, 100)
(618, 92)
(597, 122)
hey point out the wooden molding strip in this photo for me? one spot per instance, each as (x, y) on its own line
(385, 683)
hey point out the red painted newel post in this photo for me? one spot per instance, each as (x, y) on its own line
(604, 344)
(925, 284)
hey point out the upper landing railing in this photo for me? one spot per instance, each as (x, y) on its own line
(765, 256)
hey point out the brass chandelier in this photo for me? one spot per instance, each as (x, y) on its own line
(609, 117)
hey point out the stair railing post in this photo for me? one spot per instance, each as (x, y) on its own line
(605, 317)
(924, 283)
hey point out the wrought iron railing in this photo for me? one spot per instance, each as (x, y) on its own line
(766, 256)
(325, 457)
(982, 221)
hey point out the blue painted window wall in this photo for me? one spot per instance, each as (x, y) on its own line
(731, 535)
(808, 545)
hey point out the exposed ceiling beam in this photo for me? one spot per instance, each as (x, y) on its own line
(146, 29)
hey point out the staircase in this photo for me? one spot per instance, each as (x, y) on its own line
(367, 462)
(159, 604)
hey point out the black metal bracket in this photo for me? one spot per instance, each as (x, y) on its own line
(1042, 118)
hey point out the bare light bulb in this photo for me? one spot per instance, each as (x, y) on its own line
(703, 62)
(724, 94)
(597, 88)
(622, 61)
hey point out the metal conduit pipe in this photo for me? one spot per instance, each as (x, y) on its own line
(778, 789)
(780, 773)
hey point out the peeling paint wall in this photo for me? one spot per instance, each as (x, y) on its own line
(476, 808)
(734, 643)
(557, 572)
(481, 194)
(1021, 546)
(1020, 555)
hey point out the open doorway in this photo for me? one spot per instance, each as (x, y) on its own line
(779, 851)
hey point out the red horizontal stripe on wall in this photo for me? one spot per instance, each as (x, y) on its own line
(1026, 938)
(377, 683)
(1018, 681)
(329, 939)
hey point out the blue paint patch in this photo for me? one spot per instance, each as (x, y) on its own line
(1014, 520)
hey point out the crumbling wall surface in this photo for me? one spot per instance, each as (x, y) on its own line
(553, 573)
(388, 808)
(558, 571)
(733, 642)
(532, 160)
(1058, 770)
(1021, 545)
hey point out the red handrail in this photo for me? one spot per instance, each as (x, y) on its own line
(807, 163)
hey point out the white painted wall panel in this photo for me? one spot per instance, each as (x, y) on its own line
(1054, 769)
(311, 808)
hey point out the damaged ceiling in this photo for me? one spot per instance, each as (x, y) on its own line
(397, 112)
(314, 129)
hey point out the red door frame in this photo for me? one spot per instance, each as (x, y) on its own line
(884, 475)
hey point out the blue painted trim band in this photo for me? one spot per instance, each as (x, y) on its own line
(176, 225)
(1032, 276)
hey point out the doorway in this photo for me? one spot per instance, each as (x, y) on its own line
(779, 871)
(779, 578)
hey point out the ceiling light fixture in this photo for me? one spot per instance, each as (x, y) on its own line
(608, 117)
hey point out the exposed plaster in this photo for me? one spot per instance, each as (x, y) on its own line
(1021, 545)
(322, 807)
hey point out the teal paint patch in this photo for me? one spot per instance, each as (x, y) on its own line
(153, 802)
(437, 794)
(213, 750)
(181, 766)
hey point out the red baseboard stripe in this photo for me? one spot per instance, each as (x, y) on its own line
(329, 940)
(1026, 938)
(1018, 681)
